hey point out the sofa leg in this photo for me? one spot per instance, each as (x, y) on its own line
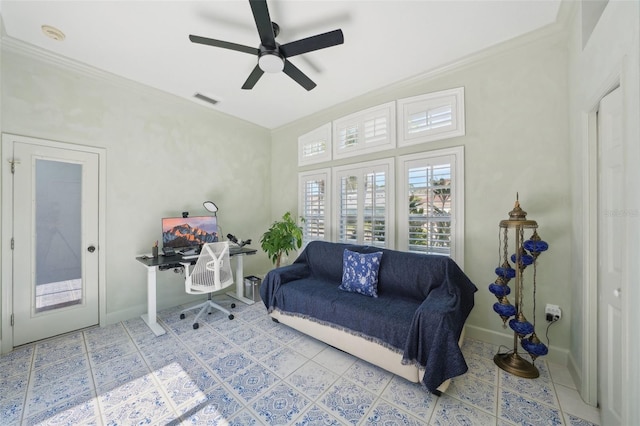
(437, 392)
(275, 320)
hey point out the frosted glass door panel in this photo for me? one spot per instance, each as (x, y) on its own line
(58, 220)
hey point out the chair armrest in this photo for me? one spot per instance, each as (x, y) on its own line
(280, 276)
(291, 272)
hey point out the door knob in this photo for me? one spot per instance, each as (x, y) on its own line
(91, 249)
(617, 292)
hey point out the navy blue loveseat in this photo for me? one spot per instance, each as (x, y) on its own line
(422, 304)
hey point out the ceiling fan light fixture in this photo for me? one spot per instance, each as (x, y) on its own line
(272, 56)
(271, 62)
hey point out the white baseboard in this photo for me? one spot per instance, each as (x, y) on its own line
(136, 311)
(575, 371)
(555, 355)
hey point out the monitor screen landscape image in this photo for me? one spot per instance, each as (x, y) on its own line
(182, 232)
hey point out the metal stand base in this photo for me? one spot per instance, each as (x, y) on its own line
(516, 365)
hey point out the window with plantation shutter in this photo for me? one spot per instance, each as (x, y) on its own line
(364, 203)
(366, 131)
(430, 208)
(315, 146)
(430, 117)
(314, 204)
(432, 203)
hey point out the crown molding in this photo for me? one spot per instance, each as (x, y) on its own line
(548, 34)
(12, 45)
(15, 46)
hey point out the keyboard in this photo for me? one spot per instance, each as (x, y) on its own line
(190, 256)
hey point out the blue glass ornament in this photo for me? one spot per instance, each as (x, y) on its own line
(521, 326)
(499, 290)
(535, 245)
(534, 346)
(505, 271)
(504, 308)
(524, 258)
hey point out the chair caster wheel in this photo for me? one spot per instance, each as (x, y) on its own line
(233, 305)
(230, 316)
(182, 316)
(196, 326)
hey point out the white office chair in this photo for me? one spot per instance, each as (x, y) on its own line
(212, 272)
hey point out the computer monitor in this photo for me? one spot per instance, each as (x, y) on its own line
(189, 232)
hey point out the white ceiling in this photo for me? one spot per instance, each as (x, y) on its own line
(385, 42)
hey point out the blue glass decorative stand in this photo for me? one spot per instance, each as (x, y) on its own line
(526, 254)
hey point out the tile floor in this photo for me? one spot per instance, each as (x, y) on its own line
(252, 371)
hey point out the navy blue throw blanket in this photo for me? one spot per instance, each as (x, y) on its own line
(422, 304)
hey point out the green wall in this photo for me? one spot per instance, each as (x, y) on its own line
(516, 142)
(164, 154)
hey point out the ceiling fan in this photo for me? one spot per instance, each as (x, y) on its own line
(272, 56)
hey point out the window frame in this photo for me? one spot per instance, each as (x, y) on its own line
(428, 158)
(322, 133)
(386, 165)
(427, 102)
(358, 121)
(303, 177)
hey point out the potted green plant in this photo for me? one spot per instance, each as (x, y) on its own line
(282, 237)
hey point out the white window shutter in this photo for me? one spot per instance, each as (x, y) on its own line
(364, 205)
(366, 131)
(315, 146)
(431, 203)
(314, 204)
(430, 117)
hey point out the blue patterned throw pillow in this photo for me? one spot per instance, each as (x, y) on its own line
(360, 272)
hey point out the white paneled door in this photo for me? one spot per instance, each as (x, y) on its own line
(55, 239)
(612, 238)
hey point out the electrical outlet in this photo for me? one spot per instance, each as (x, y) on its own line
(552, 312)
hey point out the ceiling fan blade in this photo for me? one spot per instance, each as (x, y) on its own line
(263, 22)
(309, 44)
(224, 44)
(300, 77)
(253, 78)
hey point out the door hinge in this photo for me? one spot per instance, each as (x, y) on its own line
(11, 320)
(13, 165)
(12, 243)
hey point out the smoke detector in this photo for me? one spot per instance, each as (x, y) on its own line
(53, 32)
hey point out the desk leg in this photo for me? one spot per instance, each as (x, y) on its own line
(239, 294)
(150, 316)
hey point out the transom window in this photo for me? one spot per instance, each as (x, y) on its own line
(315, 146)
(430, 117)
(365, 131)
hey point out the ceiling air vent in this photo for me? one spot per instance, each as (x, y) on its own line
(205, 98)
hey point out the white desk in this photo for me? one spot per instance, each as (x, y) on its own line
(169, 262)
